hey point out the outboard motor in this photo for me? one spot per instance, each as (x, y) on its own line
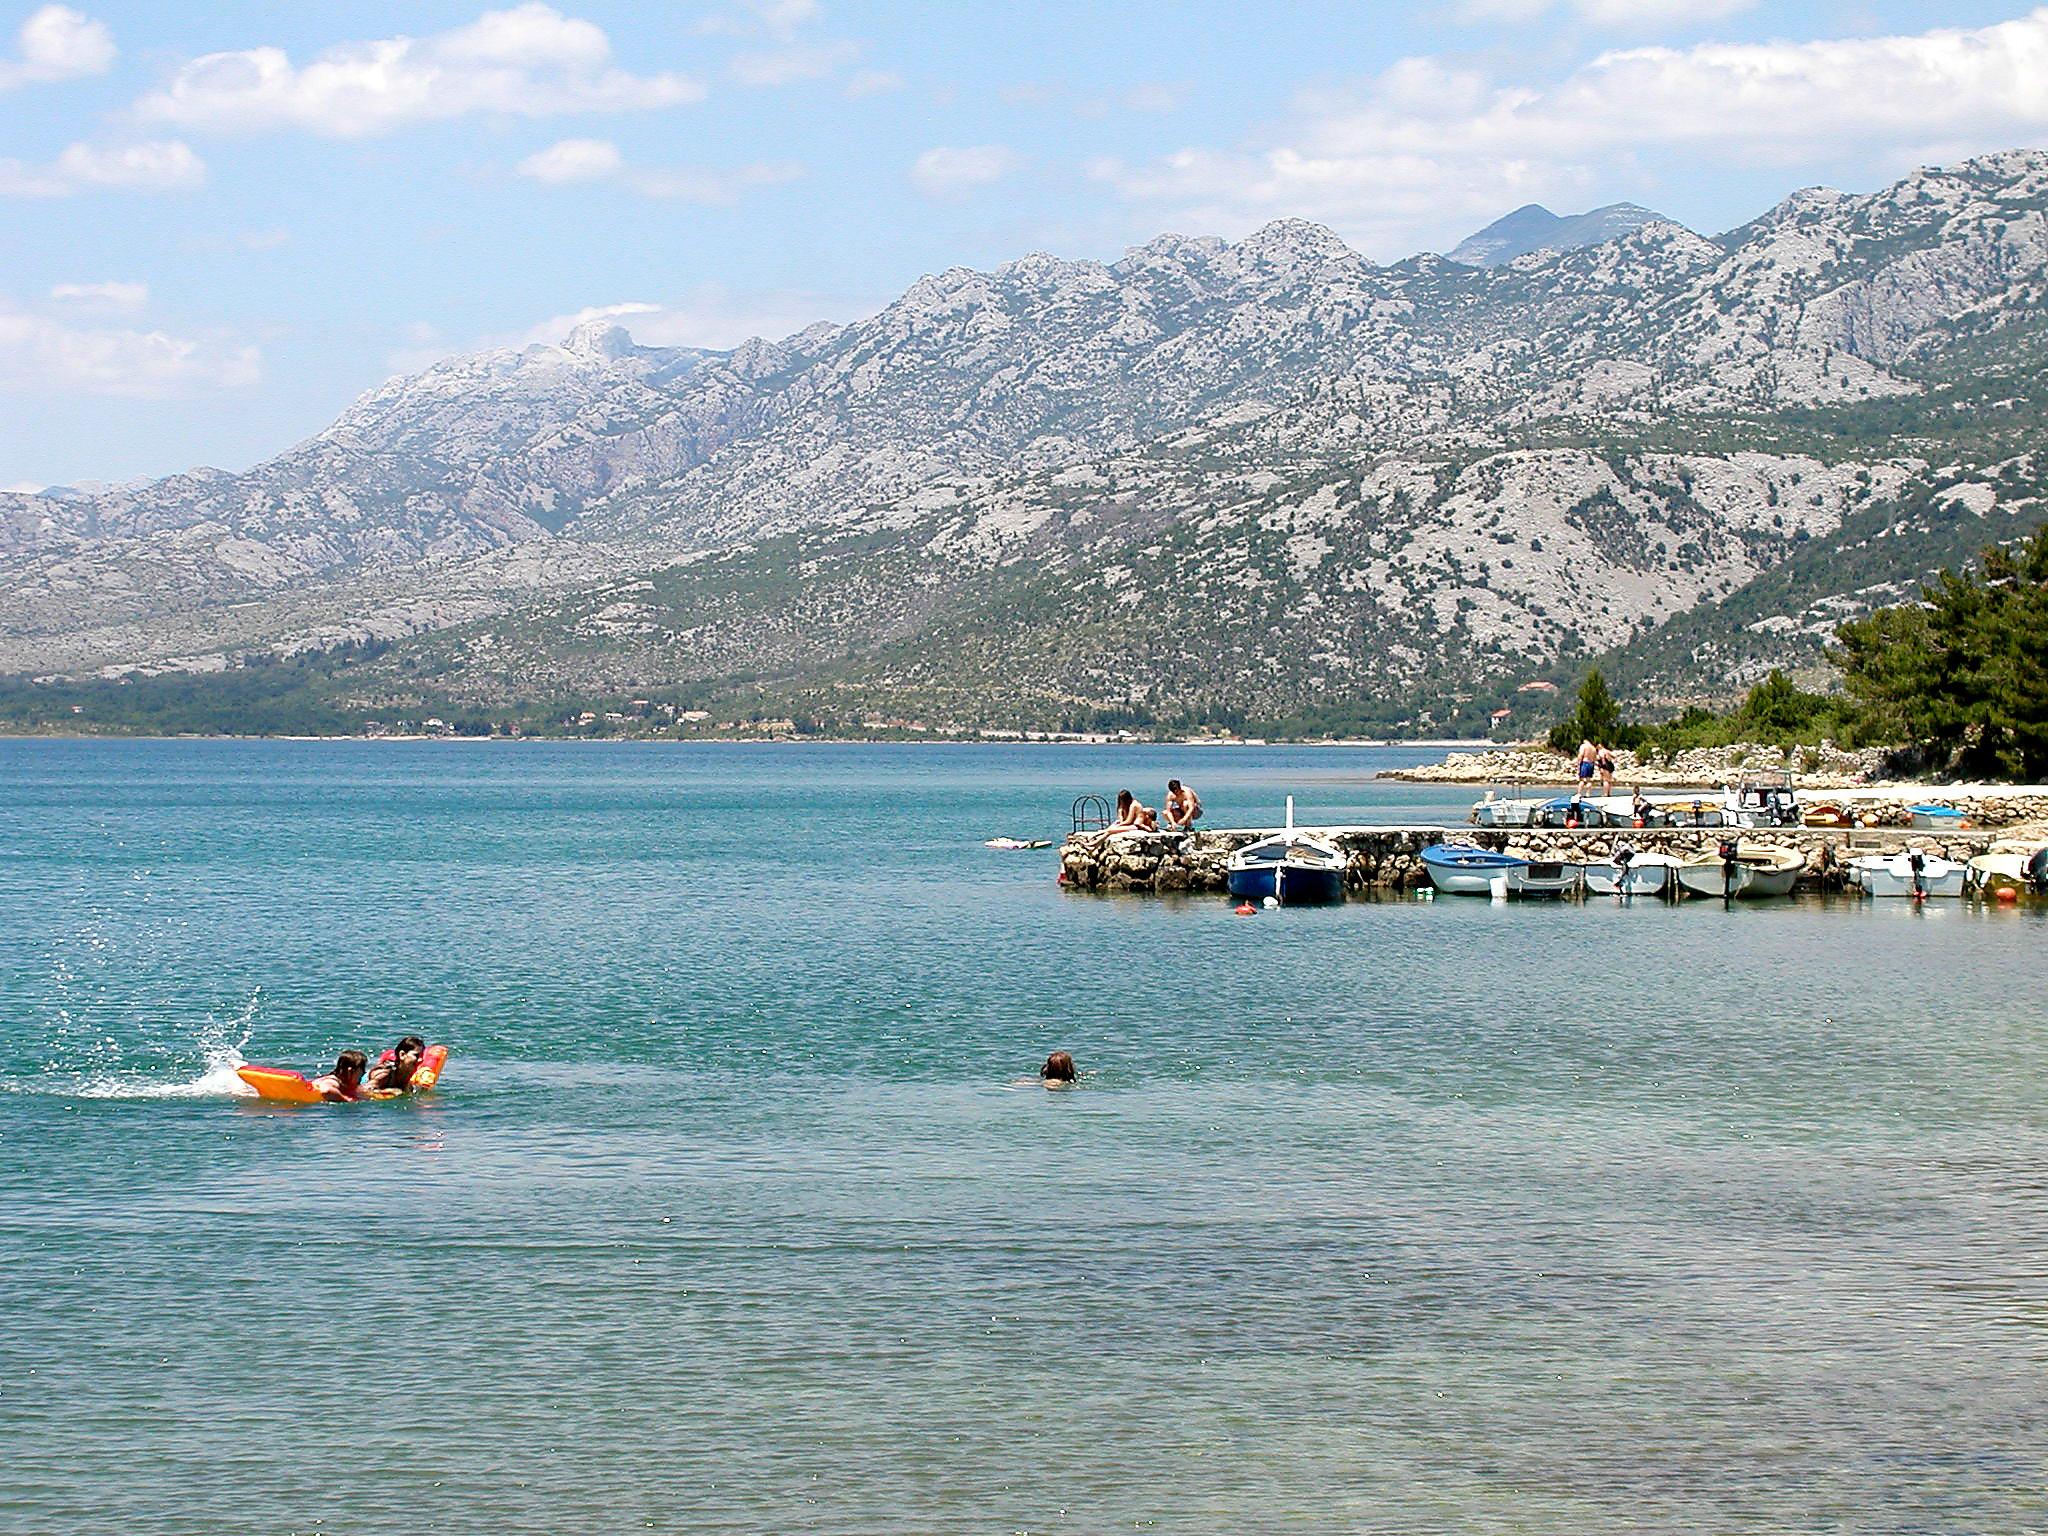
(1728, 850)
(2037, 870)
(1917, 861)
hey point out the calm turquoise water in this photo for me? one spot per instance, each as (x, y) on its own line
(731, 1215)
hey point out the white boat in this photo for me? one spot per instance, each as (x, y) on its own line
(1936, 818)
(1460, 871)
(1752, 875)
(1990, 873)
(1513, 812)
(1545, 879)
(1894, 875)
(1646, 874)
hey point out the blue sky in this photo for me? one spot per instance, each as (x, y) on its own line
(220, 222)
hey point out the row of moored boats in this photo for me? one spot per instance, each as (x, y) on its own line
(1728, 872)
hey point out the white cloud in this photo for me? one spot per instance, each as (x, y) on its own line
(710, 316)
(945, 172)
(151, 166)
(529, 61)
(759, 18)
(1419, 151)
(573, 160)
(263, 239)
(872, 82)
(584, 160)
(112, 296)
(42, 354)
(57, 43)
(1638, 14)
(793, 62)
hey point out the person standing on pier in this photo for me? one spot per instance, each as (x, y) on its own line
(1603, 760)
(1587, 754)
(1183, 807)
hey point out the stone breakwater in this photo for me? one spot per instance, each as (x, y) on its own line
(1390, 858)
(1824, 767)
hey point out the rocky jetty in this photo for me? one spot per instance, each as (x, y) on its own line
(1390, 858)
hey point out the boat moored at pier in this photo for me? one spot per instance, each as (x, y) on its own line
(1459, 871)
(1907, 874)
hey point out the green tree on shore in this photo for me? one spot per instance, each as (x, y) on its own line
(1595, 717)
(1963, 674)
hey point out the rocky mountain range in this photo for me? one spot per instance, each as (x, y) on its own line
(1266, 481)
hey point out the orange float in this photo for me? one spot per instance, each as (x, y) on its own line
(281, 1085)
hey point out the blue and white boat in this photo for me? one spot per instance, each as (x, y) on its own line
(1296, 869)
(1461, 871)
(1935, 818)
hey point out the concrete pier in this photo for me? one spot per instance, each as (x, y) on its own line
(1389, 858)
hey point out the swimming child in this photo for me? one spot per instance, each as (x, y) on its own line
(396, 1074)
(1058, 1070)
(344, 1085)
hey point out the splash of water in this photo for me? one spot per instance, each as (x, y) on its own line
(220, 1045)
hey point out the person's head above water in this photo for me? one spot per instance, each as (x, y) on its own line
(349, 1066)
(1058, 1068)
(411, 1045)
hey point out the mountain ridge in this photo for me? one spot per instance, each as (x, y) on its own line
(1192, 384)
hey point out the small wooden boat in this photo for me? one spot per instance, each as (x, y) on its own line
(1827, 816)
(1460, 871)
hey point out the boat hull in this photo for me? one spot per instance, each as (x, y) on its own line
(1717, 879)
(1298, 885)
(1642, 879)
(1465, 871)
(1894, 878)
(1255, 884)
(1542, 879)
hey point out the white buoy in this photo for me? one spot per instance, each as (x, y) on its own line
(1499, 886)
(1272, 901)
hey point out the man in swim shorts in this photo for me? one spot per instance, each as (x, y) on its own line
(396, 1074)
(1183, 806)
(344, 1085)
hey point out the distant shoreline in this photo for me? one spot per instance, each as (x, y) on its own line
(1431, 744)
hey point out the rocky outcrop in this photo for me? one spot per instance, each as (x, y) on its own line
(1824, 767)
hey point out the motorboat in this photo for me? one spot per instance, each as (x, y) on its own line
(1990, 873)
(1936, 818)
(1495, 812)
(1642, 874)
(1763, 805)
(1460, 871)
(1758, 873)
(1826, 816)
(1908, 874)
(1576, 811)
(1541, 878)
(1686, 811)
(1296, 869)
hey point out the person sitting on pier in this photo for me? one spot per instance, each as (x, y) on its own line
(1131, 816)
(1183, 807)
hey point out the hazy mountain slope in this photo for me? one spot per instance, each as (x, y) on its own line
(1533, 227)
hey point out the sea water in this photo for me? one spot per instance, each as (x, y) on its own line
(740, 1208)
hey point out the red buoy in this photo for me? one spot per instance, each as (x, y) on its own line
(2007, 893)
(1246, 909)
